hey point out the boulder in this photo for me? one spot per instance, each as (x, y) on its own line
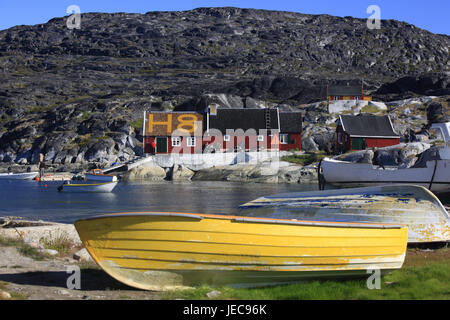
(83, 255)
(151, 172)
(437, 113)
(181, 173)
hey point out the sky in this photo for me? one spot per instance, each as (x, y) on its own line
(431, 15)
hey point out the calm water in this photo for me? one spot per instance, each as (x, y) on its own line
(36, 201)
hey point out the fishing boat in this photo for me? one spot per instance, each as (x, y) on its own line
(68, 186)
(432, 170)
(98, 175)
(410, 205)
(19, 176)
(164, 251)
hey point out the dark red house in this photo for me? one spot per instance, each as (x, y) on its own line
(222, 130)
(364, 131)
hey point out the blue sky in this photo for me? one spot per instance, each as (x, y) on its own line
(431, 15)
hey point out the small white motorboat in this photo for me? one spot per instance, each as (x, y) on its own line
(98, 175)
(431, 171)
(413, 206)
(19, 176)
(87, 187)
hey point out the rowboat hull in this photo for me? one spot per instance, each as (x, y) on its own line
(364, 174)
(88, 187)
(19, 176)
(413, 206)
(162, 251)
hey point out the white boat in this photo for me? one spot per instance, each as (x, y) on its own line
(431, 171)
(413, 206)
(87, 187)
(19, 176)
(98, 175)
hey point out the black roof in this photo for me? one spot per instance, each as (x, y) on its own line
(367, 125)
(344, 90)
(291, 122)
(255, 119)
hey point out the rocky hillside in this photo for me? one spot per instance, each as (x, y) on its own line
(78, 95)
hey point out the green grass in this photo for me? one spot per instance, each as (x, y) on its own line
(371, 109)
(429, 281)
(24, 249)
(304, 159)
(137, 125)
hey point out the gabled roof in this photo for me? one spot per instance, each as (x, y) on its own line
(368, 125)
(255, 119)
(344, 90)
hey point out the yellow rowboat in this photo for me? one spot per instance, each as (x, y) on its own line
(414, 206)
(162, 251)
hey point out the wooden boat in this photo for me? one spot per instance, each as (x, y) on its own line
(87, 187)
(433, 173)
(161, 251)
(414, 206)
(98, 175)
(19, 176)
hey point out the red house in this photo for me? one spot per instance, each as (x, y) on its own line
(222, 130)
(364, 131)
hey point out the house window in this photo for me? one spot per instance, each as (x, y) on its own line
(176, 141)
(357, 98)
(226, 137)
(260, 137)
(336, 98)
(191, 141)
(284, 138)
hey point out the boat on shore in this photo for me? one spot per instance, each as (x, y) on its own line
(98, 175)
(413, 206)
(432, 170)
(87, 187)
(164, 251)
(19, 176)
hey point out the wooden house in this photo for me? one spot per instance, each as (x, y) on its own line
(346, 92)
(224, 130)
(364, 131)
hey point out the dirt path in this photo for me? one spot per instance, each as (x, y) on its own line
(26, 278)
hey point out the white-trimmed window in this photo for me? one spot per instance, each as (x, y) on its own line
(191, 141)
(176, 141)
(284, 138)
(260, 138)
(226, 137)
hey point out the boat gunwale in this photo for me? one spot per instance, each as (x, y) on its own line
(87, 184)
(200, 216)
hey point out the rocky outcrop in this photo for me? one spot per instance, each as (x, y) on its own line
(148, 172)
(281, 172)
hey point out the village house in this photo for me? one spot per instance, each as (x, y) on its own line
(358, 132)
(222, 130)
(346, 92)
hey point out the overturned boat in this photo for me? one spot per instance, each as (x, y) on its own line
(162, 251)
(413, 206)
(432, 170)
